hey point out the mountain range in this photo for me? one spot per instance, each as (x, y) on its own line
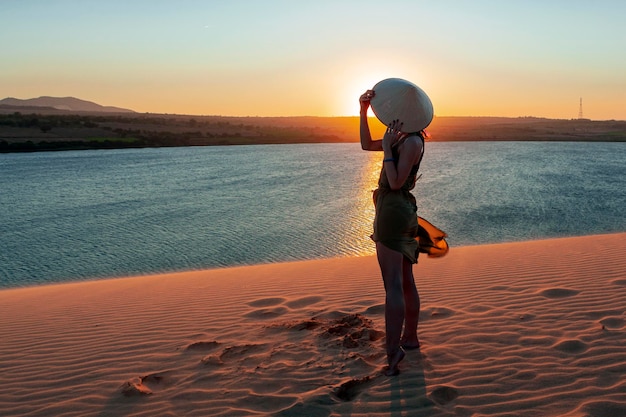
(71, 104)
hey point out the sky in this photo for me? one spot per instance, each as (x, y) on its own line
(314, 58)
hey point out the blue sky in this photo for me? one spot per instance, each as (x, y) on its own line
(284, 58)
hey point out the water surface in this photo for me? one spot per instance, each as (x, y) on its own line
(88, 214)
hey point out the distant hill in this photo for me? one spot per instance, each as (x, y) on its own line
(71, 104)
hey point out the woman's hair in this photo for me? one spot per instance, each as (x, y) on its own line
(423, 134)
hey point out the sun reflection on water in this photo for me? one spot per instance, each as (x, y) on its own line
(362, 216)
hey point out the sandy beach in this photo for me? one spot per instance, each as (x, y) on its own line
(517, 329)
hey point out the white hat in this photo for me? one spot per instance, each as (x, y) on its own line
(395, 98)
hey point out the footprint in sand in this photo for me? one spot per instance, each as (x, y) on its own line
(233, 353)
(350, 389)
(603, 408)
(303, 302)
(347, 324)
(443, 395)
(202, 345)
(134, 388)
(267, 313)
(436, 313)
(302, 325)
(601, 314)
(571, 346)
(157, 380)
(269, 308)
(558, 293)
(267, 302)
(146, 385)
(377, 309)
(353, 330)
(241, 350)
(612, 323)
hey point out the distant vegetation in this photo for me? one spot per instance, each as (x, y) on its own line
(41, 131)
(32, 132)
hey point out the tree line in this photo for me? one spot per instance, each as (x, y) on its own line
(78, 131)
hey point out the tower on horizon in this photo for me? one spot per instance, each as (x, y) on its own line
(580, 109)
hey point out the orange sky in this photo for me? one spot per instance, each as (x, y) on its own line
(284, 58)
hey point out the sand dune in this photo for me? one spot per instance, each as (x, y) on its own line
(533, 328)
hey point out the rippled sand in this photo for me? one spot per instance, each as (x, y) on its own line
(532, 328)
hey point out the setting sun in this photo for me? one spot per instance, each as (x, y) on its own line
(297, 59)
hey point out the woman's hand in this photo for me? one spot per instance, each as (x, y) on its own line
(364, 100)
(393, 135)
(367, 144)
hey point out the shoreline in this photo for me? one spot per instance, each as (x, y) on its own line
(216, 268)
(506, 329)
(41, 132)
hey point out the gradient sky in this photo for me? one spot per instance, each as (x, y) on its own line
(293, 58)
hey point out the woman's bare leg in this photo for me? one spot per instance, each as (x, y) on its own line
(411, 307)
(391, 263)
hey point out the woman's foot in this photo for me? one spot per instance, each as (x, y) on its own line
(394, 360)
(410, 343)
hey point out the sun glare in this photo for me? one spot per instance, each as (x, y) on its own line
(363, 215)
(352, 89)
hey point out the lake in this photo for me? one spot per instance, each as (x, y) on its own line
(80, 215)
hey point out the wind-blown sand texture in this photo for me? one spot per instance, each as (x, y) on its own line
(518, 329)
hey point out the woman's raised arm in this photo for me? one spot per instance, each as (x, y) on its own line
(367, 144)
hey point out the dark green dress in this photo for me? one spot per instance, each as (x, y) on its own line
(395, 223)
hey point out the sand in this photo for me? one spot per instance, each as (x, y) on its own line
(518, 329)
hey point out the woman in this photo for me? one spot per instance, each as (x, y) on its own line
(395, 230)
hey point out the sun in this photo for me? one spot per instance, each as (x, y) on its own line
(353, 90)
(353, 86)
(360, 72)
